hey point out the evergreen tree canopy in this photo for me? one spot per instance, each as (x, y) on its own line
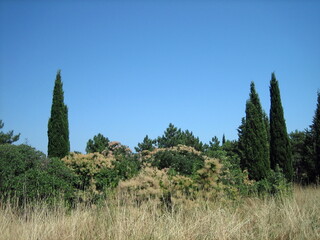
(58, 125)
(240, 144)
(315, 128)
(174, 136)
(253, 139)
(170, 138)
(147, 144)
(223, 139)
(7, 138)
(98, 144)
(280, 151)
(188, 139)
(214, 144)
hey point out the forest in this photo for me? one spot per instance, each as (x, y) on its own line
(262, 185)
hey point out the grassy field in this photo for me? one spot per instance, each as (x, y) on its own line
(296, 217)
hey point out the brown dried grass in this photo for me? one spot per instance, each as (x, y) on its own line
(296, 217)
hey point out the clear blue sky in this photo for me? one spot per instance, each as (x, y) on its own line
(130, 68)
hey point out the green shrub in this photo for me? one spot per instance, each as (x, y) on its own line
(275, 184)
(182, 159)
(235, 180)
(27, 175)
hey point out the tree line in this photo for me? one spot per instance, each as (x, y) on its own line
(263, 142)
(264, 159)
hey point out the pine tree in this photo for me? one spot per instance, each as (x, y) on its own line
(147, 144)
(58, 126)
(254, 139)
(99, 143)
(7, 138)
(170, 138)
(280, 151)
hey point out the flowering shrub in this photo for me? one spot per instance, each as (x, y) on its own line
(162, 179)
(97, 172)
(87, 167)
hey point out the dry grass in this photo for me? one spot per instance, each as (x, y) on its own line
(296, 217)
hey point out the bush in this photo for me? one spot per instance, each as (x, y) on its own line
(181, 159)
(26, 174)
(274, 184)
(96, 173)
(175, 175)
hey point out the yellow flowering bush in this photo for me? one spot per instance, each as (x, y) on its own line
(172, 187)
(98, 172)
(86, 167)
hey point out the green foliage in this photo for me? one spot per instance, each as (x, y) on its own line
(280, 152)
(253, 139)
(188, 139)
(98, 144)
(213, 149)
(7, 138)
(27, 175)
(181, 161)
(310, 150)
(223, 139)
(275, 184)
(304, 169)
(146, 145)
(315, 127)
(173, 137)
(170, 138)
(241, 142)
(58, 125)
(96, 173)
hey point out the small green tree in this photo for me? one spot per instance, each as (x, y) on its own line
(174, 136)
(98, 144)
(188, 139)
(147, 144)
(170, 138)
(58, 125)
(280, 151)
(214, 145)
(7, 137)
(223, 139)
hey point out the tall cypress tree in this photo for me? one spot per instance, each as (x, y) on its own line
(315, 129)
(280, 151)
(254, 139)
(58, 126)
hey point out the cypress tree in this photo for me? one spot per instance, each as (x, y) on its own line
(315, 129)
(223, 139)
(58, 126)
(280, 151)
(255, 157)
(240, 144)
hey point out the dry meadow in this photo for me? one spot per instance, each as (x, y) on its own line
(293, 217)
